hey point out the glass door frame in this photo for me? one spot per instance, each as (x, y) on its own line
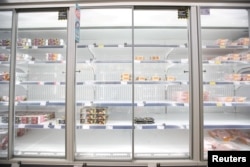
(130, 28)
(194, 109)
(69, 84)
(10, 59)
(200, 65)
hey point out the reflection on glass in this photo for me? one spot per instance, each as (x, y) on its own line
(5, 47)
(40, 85)
(225, 53)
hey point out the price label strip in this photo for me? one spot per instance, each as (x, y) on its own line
(212, 83)
(219, 104)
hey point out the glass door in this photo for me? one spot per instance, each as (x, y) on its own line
(5, 52)
(161, 77)
(104, 97)
(226, 78)
(40, 84)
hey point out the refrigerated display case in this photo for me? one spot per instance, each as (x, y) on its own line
(5, 52)
(148, 84)
(225, 55)
(40, 70)
(127, 85)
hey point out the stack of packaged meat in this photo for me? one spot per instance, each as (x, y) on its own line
(226, 139)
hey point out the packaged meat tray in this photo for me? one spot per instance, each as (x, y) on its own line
(245, 56)
(53, 57)
(140, 58)
(33, 117)
(125, 76)
(55, 41)
(4, 57)
(237, 77)
(241, 42)
(93, 115)
(17, 98)
(231, 99)
(223, 42)
(141, 78)
(24, 42)
(234, 136)
(170, 78)
(39, 42)
(155, 58)
(3, 140)
(4, 76)
(242, 56)
(183, 96)
(155, 78)
(226, 139)
(61, 121)
(144, 120)
(5, 42)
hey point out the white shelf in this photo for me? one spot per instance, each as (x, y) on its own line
(130, 45)
(147, 82)
(225, 47)
(127, 103)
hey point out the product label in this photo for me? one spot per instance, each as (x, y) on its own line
(228, 158)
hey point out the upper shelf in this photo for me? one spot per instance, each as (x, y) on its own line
(181, 61)
(35, 47)
(127, 126)
(90, 82)
(130, 45)
(124, 45)
(127, 82)
(127, 103)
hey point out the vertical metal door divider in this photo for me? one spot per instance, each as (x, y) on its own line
(11, 125)
(196, 86)
(70, 87)
(248, 22)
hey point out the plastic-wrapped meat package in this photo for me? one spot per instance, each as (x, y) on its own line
(241, 41)
(181, 96)
(227, 146)
(221, 134)
(210, 144)
(240, 136)
(246, 77)
(4, 57)
(221, 58)
(234, 56)
(223, 42)
(243, 140)
(53, 57)
(205, 96)
(4, 76)
(245, 56)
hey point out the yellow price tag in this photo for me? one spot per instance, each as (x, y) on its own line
(212, 83)
(217, 62)
(222, 46)
(26, 47)
(218, 104)
(100, 46)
